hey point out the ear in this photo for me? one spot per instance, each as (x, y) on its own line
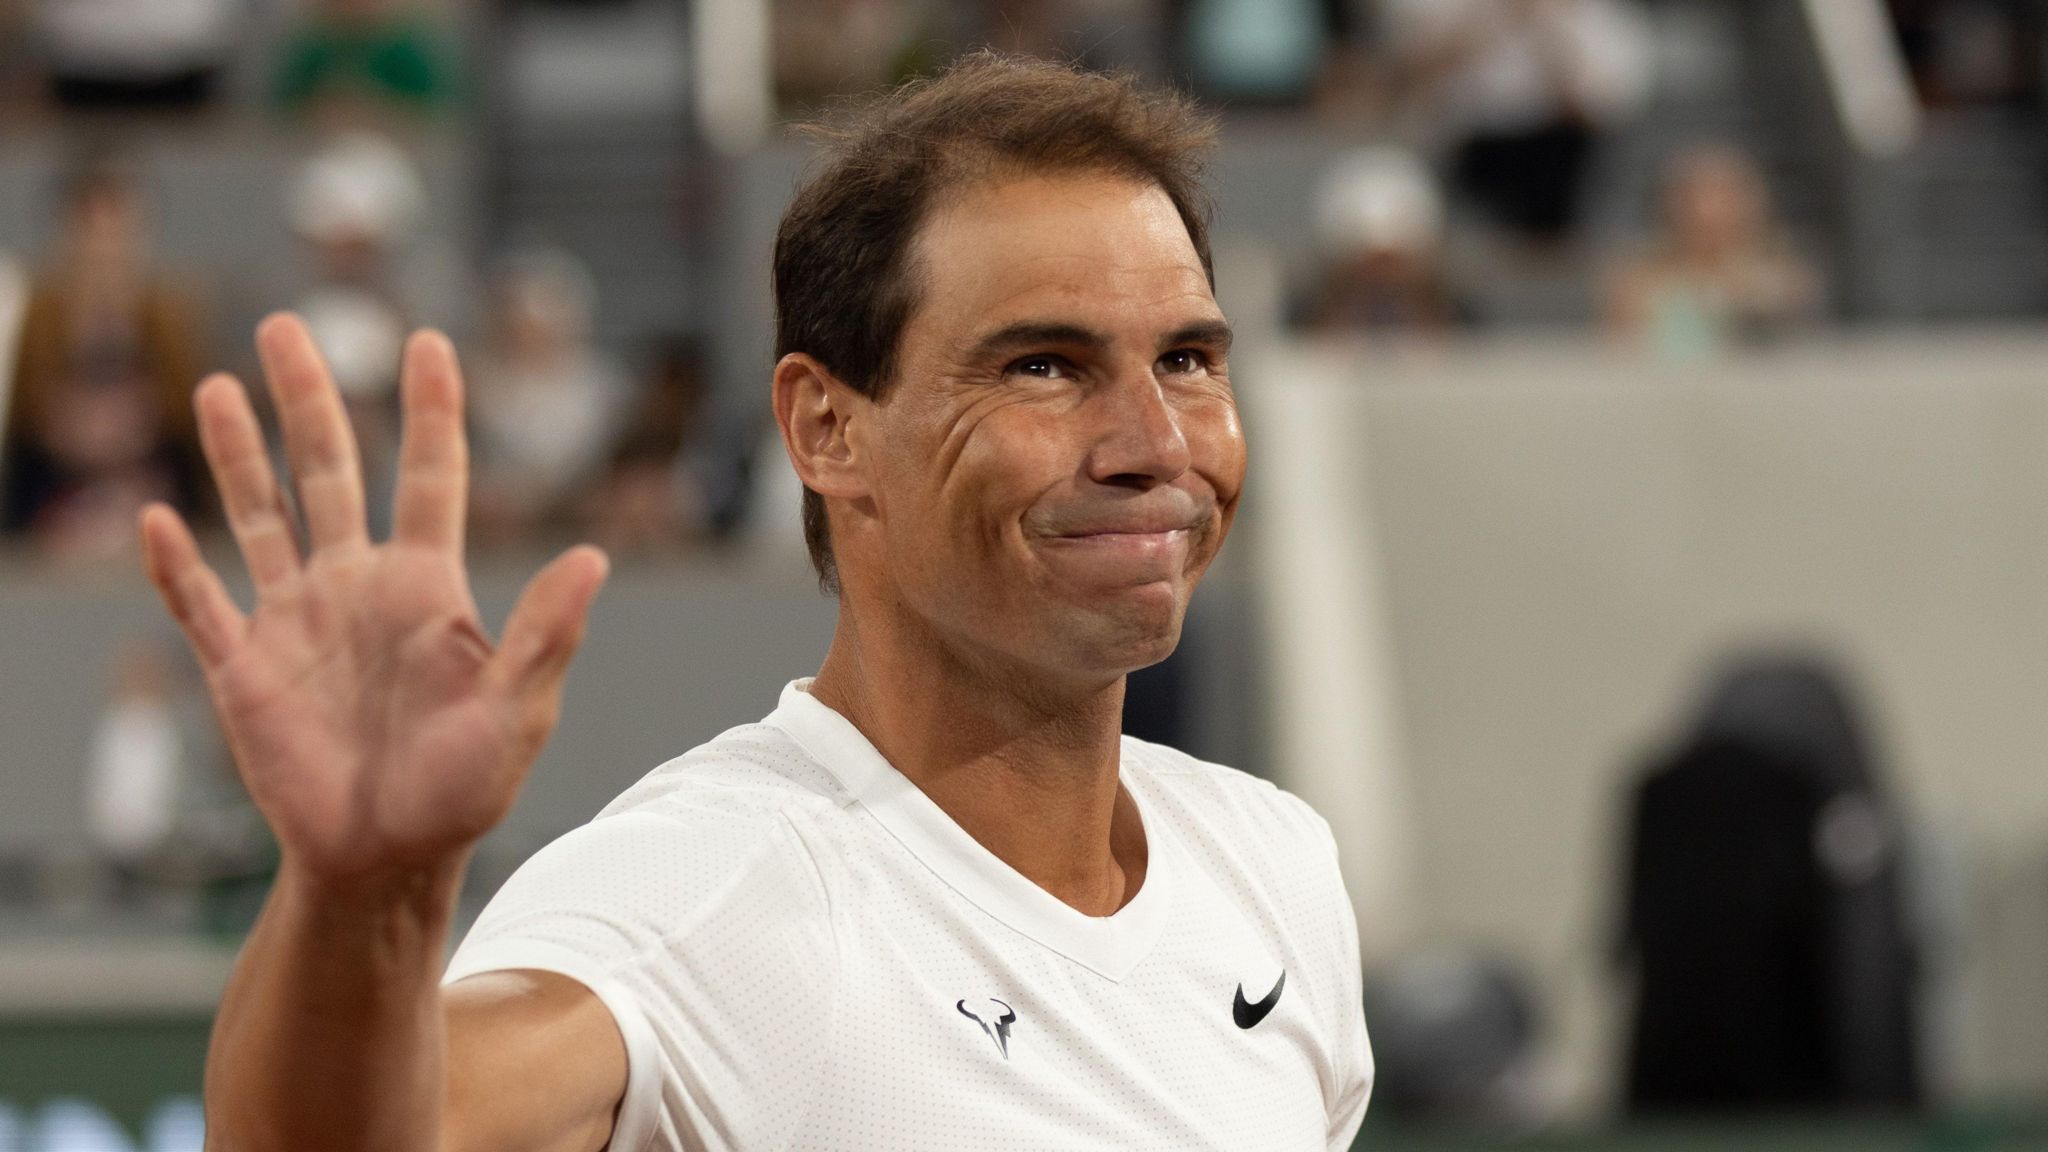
(815, 411)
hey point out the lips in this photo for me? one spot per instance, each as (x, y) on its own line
(1125, 547)
(1159, 519)
(1129, 529)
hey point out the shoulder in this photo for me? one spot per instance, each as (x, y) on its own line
(718, 839)
(1216, 800)
(750, 773)
(1263, 846)
(693, 907)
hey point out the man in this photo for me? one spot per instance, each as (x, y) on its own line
(933, 901)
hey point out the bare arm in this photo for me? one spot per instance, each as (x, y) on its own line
(381, 733)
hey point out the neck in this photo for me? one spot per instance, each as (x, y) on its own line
(1027, 767)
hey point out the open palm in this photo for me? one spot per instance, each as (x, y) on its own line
(374, 722)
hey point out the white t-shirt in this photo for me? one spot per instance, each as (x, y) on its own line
(802, 951)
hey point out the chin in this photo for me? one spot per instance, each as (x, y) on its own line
(1124, 637)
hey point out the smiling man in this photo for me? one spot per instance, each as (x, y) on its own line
(934, 901)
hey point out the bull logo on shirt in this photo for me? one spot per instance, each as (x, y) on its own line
(1003, 1016)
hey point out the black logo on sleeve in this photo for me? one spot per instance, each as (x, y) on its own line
(1248, 1013)
(998, 1031)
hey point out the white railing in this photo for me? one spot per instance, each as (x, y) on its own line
(1866, 74)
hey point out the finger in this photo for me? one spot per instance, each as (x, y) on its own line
(325, 464)
(190, 589)
(433, 458)
(546, 628)
(233, 443)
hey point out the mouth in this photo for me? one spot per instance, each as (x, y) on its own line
(1136, 538)
(1122, 555)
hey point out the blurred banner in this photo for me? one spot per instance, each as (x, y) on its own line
(102, 1084)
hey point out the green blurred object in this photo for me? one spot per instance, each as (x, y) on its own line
(126, 1066)
(403, 62)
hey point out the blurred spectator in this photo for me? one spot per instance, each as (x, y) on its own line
(357, 203)
(99, 421)
(135, 767)
(1765, 908)
(362, 63)
(1521, 91)
(1379, 233)
(14, 289)
(1721, 273)
(1257, 51)
(136, 53)
(659, 489)
(1102, 34)
(1972, 51)
(546, 403)
(827, 48)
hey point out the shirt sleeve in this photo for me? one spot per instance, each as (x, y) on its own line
(1347, 1086)
(1353, 1047)
(708, 937)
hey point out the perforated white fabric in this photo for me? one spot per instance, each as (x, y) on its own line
(804, 953)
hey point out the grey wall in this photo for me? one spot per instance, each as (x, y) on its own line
(1568, 538)
(677, 653)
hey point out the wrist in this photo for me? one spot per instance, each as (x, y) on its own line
(424, 895)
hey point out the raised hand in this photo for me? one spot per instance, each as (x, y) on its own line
(374, 723)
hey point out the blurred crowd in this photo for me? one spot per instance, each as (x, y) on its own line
(108, 342)
(1478, 122)
(102, 339)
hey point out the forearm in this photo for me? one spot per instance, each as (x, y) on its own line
(331, 1037)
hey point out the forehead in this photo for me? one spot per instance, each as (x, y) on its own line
(1103, 249)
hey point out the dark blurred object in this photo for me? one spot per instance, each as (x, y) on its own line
(135, 54)
(1107, 35)
(99, 420)
(1380, 253)
(655, 494)
(1155, 702)
(1765, 909)
(1522, 92)
(362, 63)
(1452, 1037)
(1973, 51)
(1721, 273)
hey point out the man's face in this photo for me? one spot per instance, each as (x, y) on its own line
(1059, 455)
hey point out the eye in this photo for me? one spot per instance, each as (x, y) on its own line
(1043, 367)
(1183, 362)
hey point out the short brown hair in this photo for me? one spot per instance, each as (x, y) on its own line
(844, 288)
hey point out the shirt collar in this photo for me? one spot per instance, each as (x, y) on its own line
(1110, 946)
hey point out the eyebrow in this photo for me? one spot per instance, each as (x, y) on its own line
(1030, 334)
(1208, 333)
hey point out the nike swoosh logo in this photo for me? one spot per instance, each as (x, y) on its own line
(1248, 1013)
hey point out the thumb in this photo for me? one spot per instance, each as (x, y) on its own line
(547, 625)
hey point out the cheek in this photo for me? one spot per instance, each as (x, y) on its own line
(1216, 446)
(958, 482)
(1003, 463)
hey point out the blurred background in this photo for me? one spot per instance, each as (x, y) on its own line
(1645, 568)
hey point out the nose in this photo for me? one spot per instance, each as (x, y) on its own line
(1140, 443)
